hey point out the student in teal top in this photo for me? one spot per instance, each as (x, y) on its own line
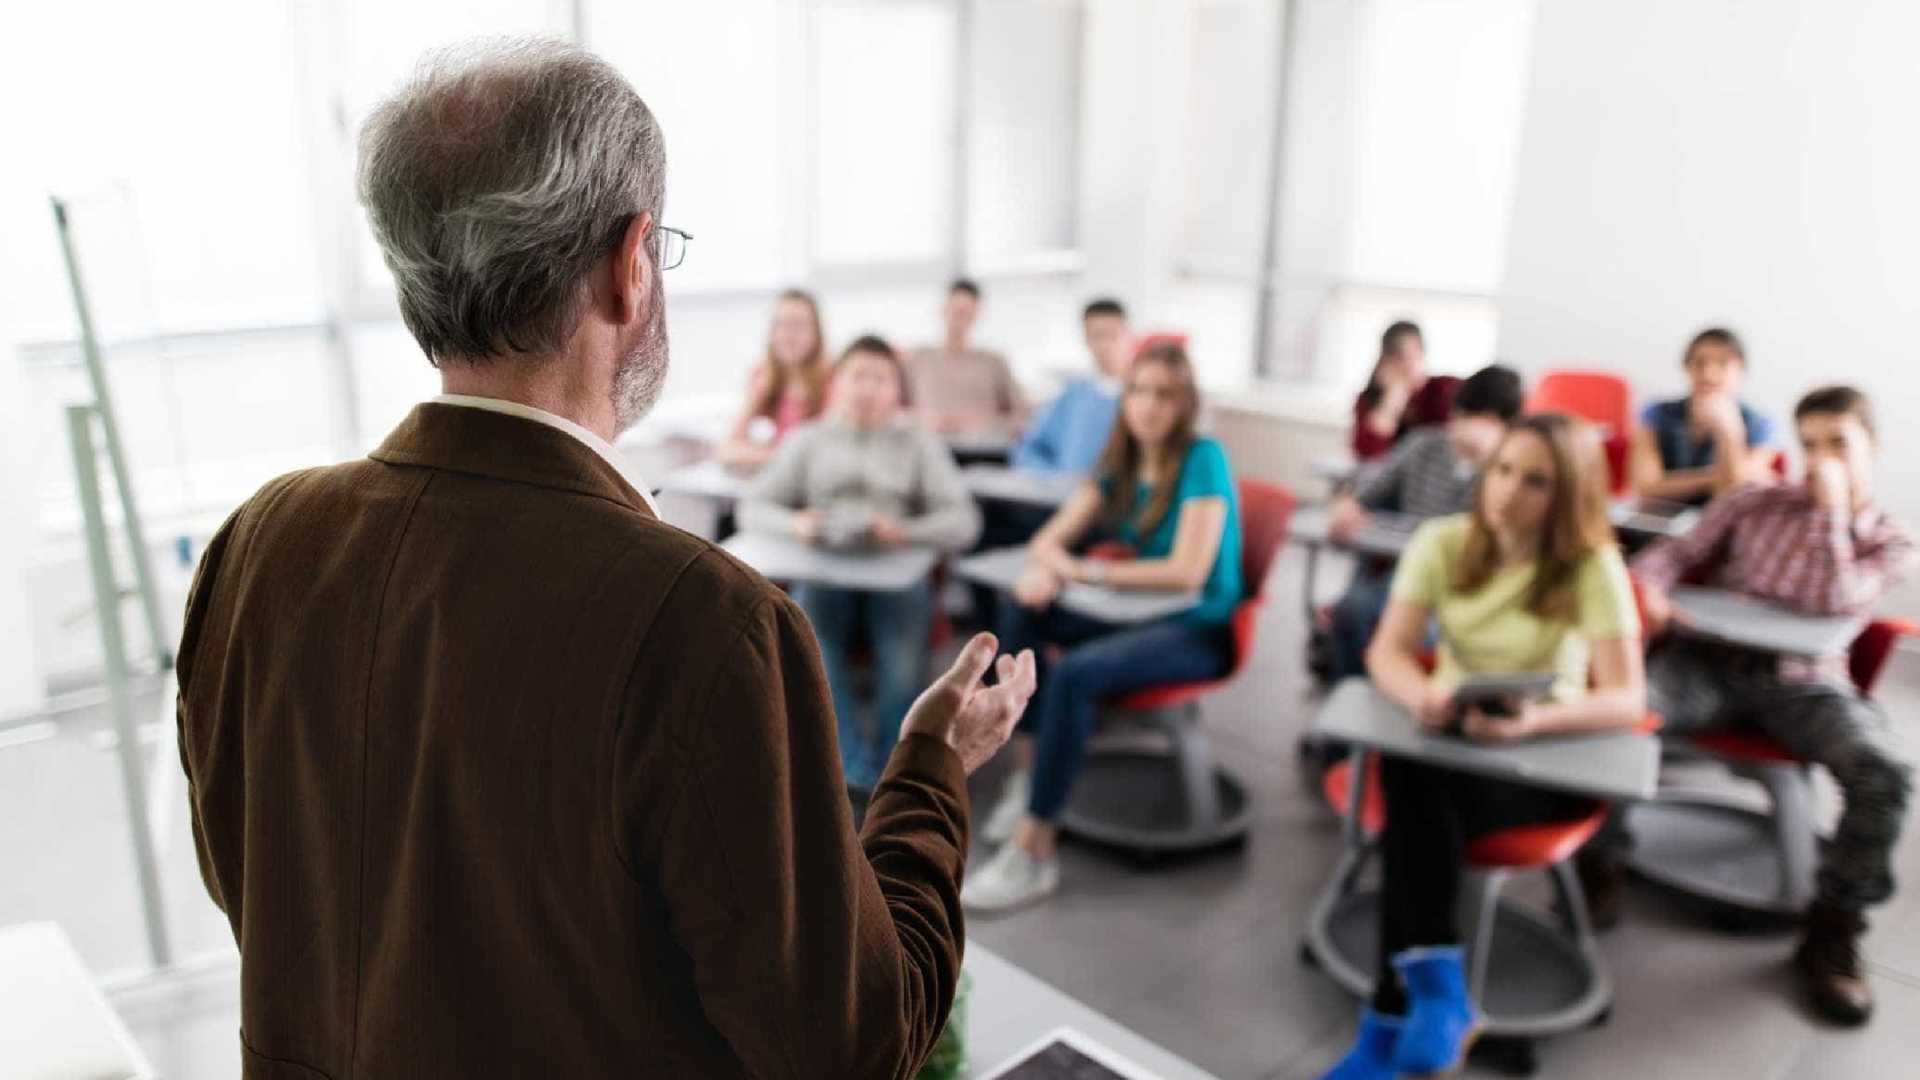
(1167, 496)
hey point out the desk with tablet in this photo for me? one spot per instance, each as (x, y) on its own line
(1011, 1015)
(782, 558)
(1757, 624)
(1001, 567)
(1604, 765)
(974, 447)
(1026, 486)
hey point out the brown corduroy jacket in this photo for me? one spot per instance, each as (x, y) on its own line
(495, 774)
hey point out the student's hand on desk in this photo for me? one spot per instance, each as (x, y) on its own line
(973, 718)
(1346, 518)
(1434, 710)
(807, 525)
(1484, 727)
(1057, 561)
(887, 531)
(1036, 587)
(1656, 607)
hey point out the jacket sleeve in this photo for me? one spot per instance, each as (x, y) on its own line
(191, 734)
(815, 953)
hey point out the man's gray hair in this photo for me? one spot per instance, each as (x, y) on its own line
(494, 180)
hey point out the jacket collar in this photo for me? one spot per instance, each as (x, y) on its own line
(508, 446)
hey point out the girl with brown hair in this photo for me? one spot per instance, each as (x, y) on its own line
(1529, 581)
(788, 386)
(1166, 494)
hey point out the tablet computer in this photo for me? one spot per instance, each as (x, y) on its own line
(1486, 690)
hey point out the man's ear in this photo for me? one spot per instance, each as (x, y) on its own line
(633, 271)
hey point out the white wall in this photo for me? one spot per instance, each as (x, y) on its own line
(1722, 161)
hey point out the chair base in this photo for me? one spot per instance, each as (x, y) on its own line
(1135, 800)
(1713, 849)
(1538, 981)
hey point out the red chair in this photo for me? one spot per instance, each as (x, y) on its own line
(1707, 845)
(1598, 396)
(1156, 802)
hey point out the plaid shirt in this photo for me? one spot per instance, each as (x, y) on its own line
(1421, 476)
(1775, 543)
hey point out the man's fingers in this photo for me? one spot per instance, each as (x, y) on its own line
(972, 663)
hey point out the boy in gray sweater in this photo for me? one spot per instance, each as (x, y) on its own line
(864, 477)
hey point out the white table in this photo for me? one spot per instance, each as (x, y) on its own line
(1048, 489)
(54, 1022)
(1604, 765)
(1335, 469)
(707, 480)
(1656, 518)
(1758, 624)
(1001, 567)
(786, 559)
(1009, 1010)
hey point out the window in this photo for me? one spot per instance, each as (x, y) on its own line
(1023, 118)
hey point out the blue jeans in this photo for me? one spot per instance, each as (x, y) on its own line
(1104, 661)
(1356, 615)
(896, 625)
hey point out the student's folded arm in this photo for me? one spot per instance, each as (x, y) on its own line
(779, 489)
(1668, 562)
(1196, 544)
(1070, 523)
(813, 952)
(950, 520)
(1855, 574)
(1377, 483)
(1393, 657)
(1039, 447)
(1653, 480)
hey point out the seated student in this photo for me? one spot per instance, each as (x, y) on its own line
(1070, 432)
(1528, 581)
(1399, 395)
(960, 389)
(1825, 547)
(787, 388)
(1168, 495)
(1693, 448)
(866, 477)
(1429, 473)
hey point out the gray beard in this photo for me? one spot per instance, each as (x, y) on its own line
(642, 375)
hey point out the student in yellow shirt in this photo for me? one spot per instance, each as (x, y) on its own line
(1528, 581)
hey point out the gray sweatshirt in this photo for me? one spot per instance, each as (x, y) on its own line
(898, 470)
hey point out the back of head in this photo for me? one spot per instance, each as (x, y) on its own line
(494, 179)
(1495, 390)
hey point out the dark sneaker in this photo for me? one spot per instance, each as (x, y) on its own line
(1828, 962)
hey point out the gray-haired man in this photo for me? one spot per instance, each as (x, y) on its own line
(495, 774)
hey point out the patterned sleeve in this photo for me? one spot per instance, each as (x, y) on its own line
(1669, 562)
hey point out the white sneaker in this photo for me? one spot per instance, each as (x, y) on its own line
(1010, 809)
(1009, 880)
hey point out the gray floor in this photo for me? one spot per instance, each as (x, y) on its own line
(1199, 956)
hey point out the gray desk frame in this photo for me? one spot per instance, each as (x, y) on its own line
(1758, 624)
(1001, 567)
(1026, 486)
(785, 559)
(1604, 765)
(1636, 516)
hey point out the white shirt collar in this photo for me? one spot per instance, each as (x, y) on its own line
(593, 442)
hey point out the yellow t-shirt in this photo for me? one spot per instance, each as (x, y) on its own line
(1490, 631)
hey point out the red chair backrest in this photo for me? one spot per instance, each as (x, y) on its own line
(1599, 396)
(1266, 510)
(1871, 650)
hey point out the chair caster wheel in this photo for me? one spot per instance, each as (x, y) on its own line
(1603, 1017)
(1307, 958)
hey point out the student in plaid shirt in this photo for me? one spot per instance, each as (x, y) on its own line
(1823, 547)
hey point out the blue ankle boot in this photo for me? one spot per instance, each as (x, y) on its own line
(1372, 1055)
(1441, 1020)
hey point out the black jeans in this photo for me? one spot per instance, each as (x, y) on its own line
(1432, 814)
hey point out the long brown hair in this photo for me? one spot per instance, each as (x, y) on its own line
(1121, 460)
(1576, 519)
(812, 369)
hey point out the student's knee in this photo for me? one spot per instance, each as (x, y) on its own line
(1876, 775)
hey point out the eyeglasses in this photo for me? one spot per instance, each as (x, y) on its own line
(673, 245)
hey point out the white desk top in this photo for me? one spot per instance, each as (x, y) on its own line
(1386, 534)
(1020, 485)
(1009, 1010)
(1757, 624)
(1611, 765)
(707, 480)
(782, 558)
(1335, 469)
(54, 1022)
(1001, 567)
(1652, 517)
